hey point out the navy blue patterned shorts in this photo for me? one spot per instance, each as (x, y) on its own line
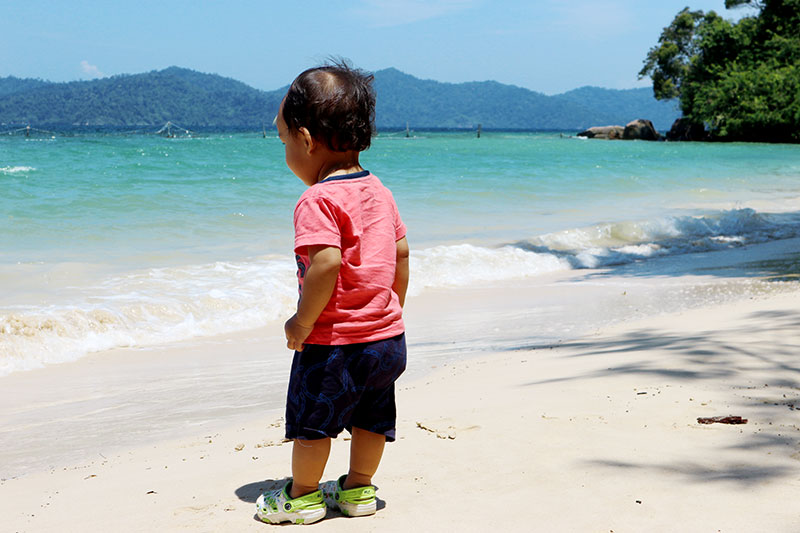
(337, 387)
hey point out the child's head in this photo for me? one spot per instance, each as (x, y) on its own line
(335, 103)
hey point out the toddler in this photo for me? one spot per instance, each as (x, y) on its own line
(352, 267)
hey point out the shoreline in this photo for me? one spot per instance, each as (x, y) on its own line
(595, 432)
(605, 438)
(128, 397)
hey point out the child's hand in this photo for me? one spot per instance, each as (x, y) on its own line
(296, 333)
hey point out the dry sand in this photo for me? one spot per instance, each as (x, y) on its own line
(594, 435)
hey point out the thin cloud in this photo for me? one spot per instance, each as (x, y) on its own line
(593, 17)
(383, 13)
(91, 70)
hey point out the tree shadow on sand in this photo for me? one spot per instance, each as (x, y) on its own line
(764, 380)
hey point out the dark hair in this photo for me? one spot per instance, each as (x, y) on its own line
(335, 103)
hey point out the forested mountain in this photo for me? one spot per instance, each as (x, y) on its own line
(612, 106)
(180, 95)
(11, 85)
(424, 103)
(192, 98)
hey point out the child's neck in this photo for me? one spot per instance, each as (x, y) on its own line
(339, 163)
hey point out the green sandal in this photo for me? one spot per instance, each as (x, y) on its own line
(359, 501)
(276, 506)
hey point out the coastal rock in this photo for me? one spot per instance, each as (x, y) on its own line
(603, 132)
(640, 129)
(685, 130)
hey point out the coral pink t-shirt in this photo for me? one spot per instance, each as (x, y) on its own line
(358, 215)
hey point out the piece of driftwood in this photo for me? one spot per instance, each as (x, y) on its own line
(722, 420)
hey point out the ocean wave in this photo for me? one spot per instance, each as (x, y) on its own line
(598, 246)
(619, 243)
(148, 308)
(464, 265)
(164, 305)
(16, 169)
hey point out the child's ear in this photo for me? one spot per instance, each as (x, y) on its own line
(308, 140)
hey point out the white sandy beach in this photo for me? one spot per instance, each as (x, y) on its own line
(597, 434)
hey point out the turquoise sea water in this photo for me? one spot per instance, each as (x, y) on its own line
(110, 241)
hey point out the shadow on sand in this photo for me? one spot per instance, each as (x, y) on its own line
(764, 379)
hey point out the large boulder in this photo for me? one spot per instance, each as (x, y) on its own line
(603, 132)
(640, 129)
(685, 130)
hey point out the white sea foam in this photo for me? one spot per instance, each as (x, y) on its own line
(624, 242)
(148, 308)
(464, 264)
(16, 169)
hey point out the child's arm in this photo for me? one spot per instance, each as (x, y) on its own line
(401, 271)
(318, 285)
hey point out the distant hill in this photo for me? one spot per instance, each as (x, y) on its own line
(181, 95)
(11, 85)
(427, 104)
(424, 103)
(613, 105)
(192, 98)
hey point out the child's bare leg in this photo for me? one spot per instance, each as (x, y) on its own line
(366, 450)
(308, 463)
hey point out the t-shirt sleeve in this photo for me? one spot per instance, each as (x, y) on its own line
(315, 224)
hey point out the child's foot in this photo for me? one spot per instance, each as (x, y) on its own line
(359, 501)
(275, 507)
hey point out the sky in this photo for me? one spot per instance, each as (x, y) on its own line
(549, 46)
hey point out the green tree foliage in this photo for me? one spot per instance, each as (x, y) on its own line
(668, 64)
(741, 80)
(11, 85)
